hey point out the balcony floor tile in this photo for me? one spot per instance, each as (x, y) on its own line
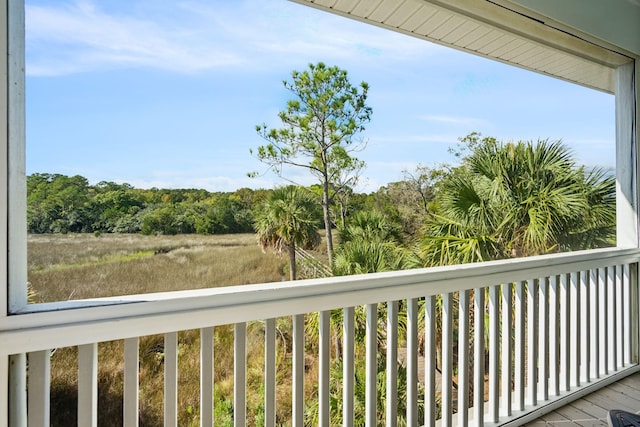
(592, 409)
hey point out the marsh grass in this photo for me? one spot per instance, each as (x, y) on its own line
(65, 267)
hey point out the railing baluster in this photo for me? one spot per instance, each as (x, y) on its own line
(463, 358)
(478, 357)
(131, 381)
(323, 372)
(371, 365)
(88, 384)
(594, 321)
(554, 378)
(240, 374)
(505, 374)
(585, 327)
(619, 318)
(565, 333)
(412, 362)
(543, 339)
(39, 385)
(348, 378)
(4, 402)
(171, 379)
(269, 373)
(519, 344)
(298, 371)
(392, 365)
(611, 318)
(574, 337)
(430, 360)
(532, 341)
(626, 300)
(634, 317)
(604, 320)
(206, 376)
(447, 359)
(494, 352)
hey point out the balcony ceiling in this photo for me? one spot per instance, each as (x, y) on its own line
(490, 30)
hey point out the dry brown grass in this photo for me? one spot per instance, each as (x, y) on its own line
(65, 267)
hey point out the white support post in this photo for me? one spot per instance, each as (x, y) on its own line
(627, 119)
(17, 179)
(392, 364)
(14, 196)
(4, 193)
(88, 385)
(348, 376)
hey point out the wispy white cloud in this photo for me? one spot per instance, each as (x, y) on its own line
(79, 36)
(413, 139)
(83, 35)
(455, 120)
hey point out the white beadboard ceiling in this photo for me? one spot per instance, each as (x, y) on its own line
(484, 28)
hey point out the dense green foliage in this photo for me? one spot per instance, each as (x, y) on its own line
(517, 199)
(61, 204)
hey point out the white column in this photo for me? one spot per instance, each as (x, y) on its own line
(627, 118)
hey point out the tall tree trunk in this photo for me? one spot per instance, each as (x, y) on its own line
(327, 221)
(292, 261)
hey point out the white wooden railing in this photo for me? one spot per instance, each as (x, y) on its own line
(553, 328)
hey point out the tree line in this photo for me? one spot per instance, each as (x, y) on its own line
(58, 203)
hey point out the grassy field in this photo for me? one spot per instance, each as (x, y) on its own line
(63, 267)
(77, 266)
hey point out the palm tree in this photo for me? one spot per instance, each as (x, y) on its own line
(288, 219)
(519, 199)
(369, 243)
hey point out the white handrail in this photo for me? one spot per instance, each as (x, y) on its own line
(578, 306)
(84, 322)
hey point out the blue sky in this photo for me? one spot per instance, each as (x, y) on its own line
(168, 93)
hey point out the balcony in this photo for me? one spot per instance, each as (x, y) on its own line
(553, 329)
